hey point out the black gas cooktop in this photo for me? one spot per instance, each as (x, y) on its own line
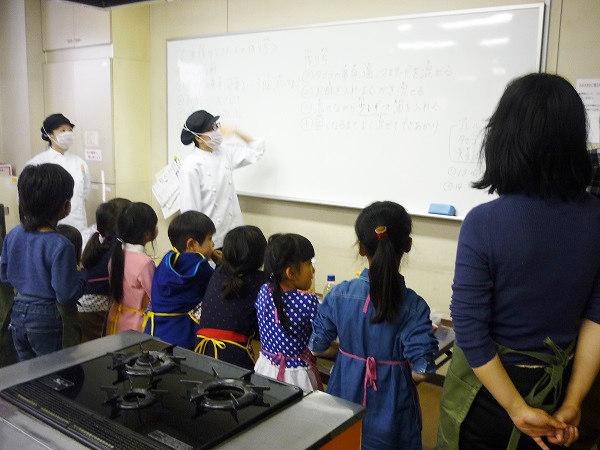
(151, 396)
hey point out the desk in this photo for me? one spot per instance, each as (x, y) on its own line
(445, 336)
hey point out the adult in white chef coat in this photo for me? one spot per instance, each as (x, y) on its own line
(57, 130)
(206, 175)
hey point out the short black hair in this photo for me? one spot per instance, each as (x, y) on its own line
(536, 141)
(74, 236)
(190, 224)
(43, 191)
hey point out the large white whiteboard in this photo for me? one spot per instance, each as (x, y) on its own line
(360, 111)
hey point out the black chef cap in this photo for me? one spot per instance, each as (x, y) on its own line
(53, 122)
(199, 122)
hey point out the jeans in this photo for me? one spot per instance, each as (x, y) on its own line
(36, 329)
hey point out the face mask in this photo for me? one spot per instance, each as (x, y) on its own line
(64, 139)
(216, 139)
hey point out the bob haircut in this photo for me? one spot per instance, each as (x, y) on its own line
(43, 191)
(535, 143)
(190, 224)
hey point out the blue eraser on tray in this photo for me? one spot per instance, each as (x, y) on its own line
(440, 208)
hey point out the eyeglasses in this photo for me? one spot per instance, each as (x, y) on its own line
(216, 126)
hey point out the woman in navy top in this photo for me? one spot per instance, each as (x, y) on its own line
(527, 278)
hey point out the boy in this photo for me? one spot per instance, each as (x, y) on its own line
(181, 278)
(39, 262)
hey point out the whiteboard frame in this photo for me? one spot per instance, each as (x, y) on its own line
(542, 50)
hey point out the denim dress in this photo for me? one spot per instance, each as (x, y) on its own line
(375, 361)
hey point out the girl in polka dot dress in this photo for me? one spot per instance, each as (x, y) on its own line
(285, 311)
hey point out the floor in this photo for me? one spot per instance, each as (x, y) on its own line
(429, 396)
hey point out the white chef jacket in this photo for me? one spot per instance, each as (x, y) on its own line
(206, 182)
(80, 172)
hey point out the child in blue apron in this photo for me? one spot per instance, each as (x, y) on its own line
(385, 334)
(181, 279)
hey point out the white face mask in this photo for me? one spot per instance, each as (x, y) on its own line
(64, 139)
(216, 139)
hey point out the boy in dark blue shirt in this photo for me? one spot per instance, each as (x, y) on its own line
(40, 263)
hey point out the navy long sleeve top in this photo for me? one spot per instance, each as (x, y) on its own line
(41, 266)
(526, 269)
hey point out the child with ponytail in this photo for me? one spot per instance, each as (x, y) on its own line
(385, 335)
(285, 311)
(131, 269)
(228, 319)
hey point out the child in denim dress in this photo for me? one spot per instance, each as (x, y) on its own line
(385, 335)
(39, 262)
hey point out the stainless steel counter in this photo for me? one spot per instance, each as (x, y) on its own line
(309, 423)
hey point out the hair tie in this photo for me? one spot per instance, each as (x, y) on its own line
(381, 231)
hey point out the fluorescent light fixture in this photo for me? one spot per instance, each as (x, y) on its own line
(425, 45)
(491, 20)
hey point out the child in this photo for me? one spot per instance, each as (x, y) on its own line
(384, 333)
(40, 263)
(96, 301)
(228, 316)
(71, 324)
(285, 313)
(181, 279)
(131, 270)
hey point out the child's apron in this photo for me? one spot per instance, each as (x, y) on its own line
(462, 385)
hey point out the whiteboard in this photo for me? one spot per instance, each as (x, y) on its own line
(353, 112)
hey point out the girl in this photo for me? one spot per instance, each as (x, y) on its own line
(527, 278)
(131, 270)
(96, 301)
(385, 335)
(57, 130)
(181, 279)
(285, 312)
(228, 316)
(39, 262)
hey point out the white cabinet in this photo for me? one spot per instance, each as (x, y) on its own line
(82, 91)
(67, 25)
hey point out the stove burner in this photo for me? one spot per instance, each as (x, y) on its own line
(148, 363)
(136, 399)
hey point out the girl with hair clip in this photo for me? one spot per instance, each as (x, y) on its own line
(228, 316)
(386, 339)
(131, 269)
(96, 301)
(285, 311)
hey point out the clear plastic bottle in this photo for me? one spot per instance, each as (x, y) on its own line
(330, 284)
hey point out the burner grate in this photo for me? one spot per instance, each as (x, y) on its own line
(91, 430)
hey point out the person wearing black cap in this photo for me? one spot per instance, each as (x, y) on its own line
(206, 176)
(57, 130)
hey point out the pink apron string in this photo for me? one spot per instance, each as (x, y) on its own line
(366, 306)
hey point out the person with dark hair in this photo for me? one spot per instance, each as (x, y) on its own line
(228, 319)
(40, 263)
(57, 130)
(96, 301)
(131, 269)
(385, 334)
(206, 176)
(72, 328)
(285, 311)
(181, 279)
(527, 279)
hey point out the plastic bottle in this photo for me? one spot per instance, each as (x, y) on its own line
(330, 284)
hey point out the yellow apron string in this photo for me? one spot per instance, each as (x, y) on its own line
(217, 343)
(115, 319)
(193, 318)
(177, 255)
(150, 315)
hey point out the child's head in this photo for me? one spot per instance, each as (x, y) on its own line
(243, 251)
(73, 235)
(383, 231)
(137, 224)
(45, 193)
(536, 140)
(192, 231)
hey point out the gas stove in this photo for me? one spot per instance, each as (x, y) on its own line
(151, 396)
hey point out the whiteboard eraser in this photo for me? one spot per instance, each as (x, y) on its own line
(440, 208)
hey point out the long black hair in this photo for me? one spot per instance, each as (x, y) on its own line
(536, 141)
(43, 191)
(283, 251)
(74, 236)
(135, 223)
(385, 248)
(243, 251)
(106, 226)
